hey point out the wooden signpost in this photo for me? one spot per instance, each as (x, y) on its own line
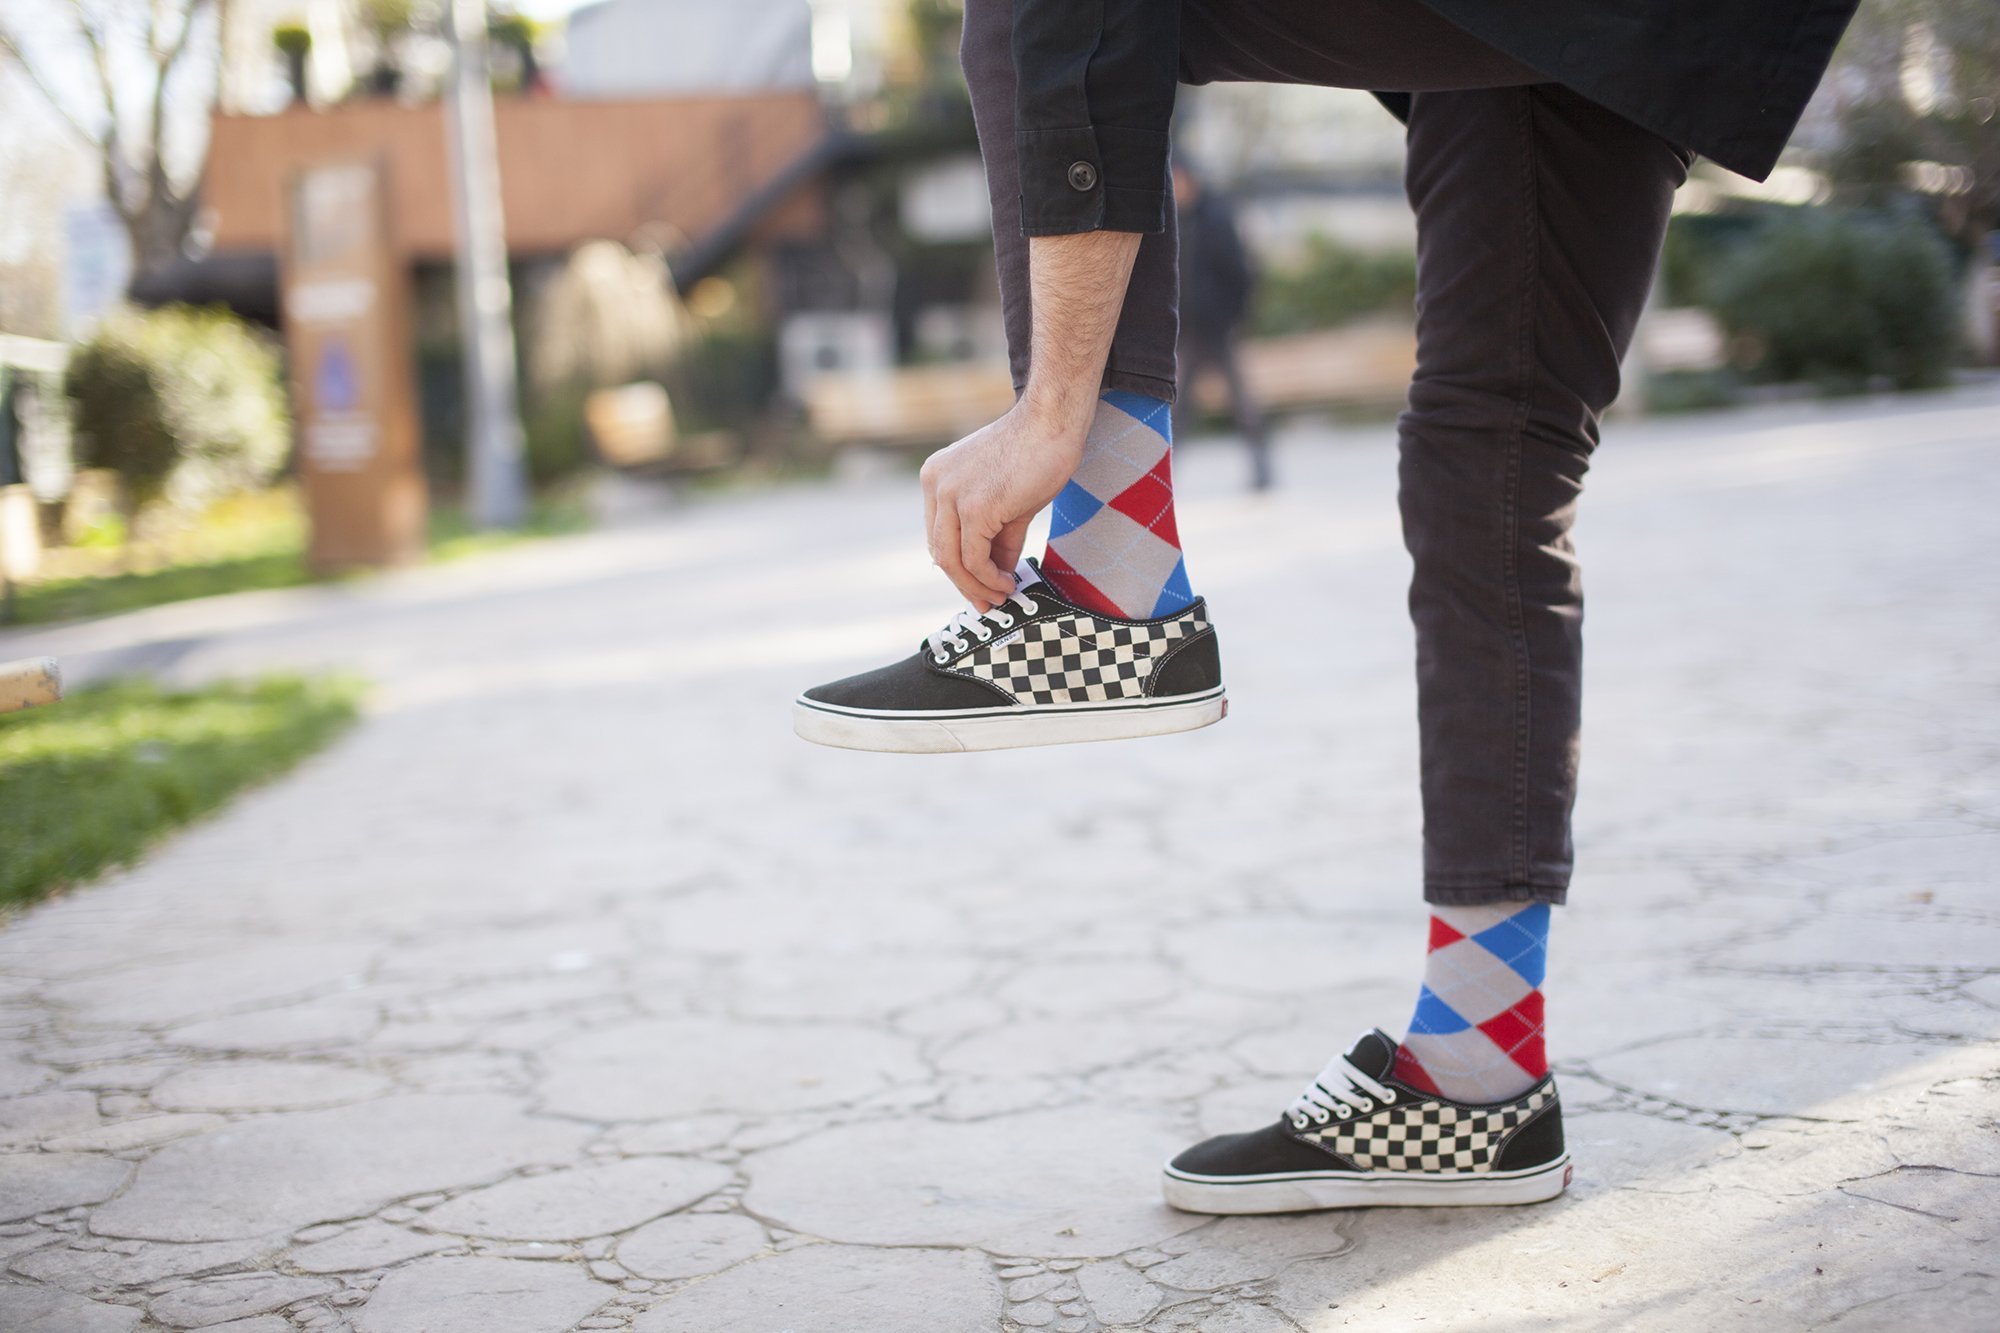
(347, 332)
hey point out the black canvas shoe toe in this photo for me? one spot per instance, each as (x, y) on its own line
(1037, 670)
(1259, 1152)
(1358, 1137)
(910, 685)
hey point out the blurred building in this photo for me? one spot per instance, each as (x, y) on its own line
(807, 156)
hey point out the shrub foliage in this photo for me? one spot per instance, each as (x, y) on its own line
(1331, 284)
(185, 404)
(1842, 300)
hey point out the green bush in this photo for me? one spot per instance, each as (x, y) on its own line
(1839, 299)
(554, 436)
(1695, 244)
(1332, 284)
(185, 404)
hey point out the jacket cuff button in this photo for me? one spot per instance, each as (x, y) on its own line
(1082, 176)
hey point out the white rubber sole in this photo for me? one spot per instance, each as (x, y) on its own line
(1309, 1191)
(1003, 728)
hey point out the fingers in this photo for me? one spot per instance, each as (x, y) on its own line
(947, 554)
(1007, 546)
(928, 477)
(940, 534)
(976, 556)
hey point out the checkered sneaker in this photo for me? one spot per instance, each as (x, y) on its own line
(1075, 658)
(1358, 1137)
(1429, 1135)
(1036, 670)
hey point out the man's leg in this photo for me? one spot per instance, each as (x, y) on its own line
(1539, 222)
(1114, 546)
(1539, 219)
(1110, 643)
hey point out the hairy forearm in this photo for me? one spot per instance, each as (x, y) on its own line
(1078, 288)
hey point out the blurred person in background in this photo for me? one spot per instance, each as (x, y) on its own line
(1544, 149)
(1217, 280)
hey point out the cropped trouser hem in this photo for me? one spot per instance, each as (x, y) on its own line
(1482, 895)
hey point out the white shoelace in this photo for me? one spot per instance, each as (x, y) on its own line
(1340, 1090)
(982, 625)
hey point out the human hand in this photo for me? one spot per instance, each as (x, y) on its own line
(981, 493)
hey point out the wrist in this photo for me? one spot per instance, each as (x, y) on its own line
(1059, 415)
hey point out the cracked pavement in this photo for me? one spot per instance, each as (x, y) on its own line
(571, 991)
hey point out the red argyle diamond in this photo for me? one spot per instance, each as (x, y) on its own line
(1074, 586)
(1149, 502)
(1441, 934)
(1518, 1031)
(1407, 1071)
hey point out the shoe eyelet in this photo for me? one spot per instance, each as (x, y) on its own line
(1388, 1096)
(1322, 1117)
(1367, 1105)
(1006, 622)
(1298, 1122)
(1032, 608)
(959, 645)
(983, 638)
(940, 658)
(1345, 1114)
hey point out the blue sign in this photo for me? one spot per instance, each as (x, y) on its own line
(335, 388)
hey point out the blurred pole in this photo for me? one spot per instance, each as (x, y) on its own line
(499, 493)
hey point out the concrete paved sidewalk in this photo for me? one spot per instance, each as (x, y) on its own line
(572, 991)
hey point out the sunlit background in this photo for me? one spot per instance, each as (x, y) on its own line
(750, 240)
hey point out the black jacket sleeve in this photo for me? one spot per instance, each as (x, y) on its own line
(1094, 92)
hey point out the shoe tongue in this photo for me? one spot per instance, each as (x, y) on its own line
(1027, 574)
(1373, 1053)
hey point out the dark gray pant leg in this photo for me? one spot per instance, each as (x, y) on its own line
(1539, 218)
(1539, 222)
(1142, 350)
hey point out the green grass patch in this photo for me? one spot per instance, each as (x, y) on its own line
(243, 545)
(91, 782)
(77, 598)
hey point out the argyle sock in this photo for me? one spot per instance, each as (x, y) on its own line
(1477, 1032)
(1113, 546)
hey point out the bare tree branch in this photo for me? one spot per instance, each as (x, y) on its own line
(137, 182)
(165, 56)
(112, 144)
(12, 49)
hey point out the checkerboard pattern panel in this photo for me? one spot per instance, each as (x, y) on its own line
(1429, 1136)
(1074, 659)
